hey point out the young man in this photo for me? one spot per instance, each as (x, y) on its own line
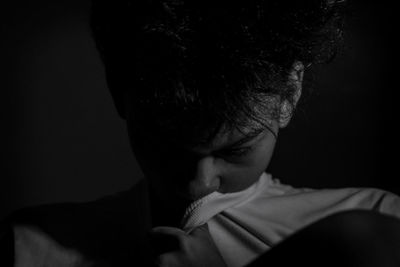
(205, 88)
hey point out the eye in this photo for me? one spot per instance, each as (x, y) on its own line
(235, 152)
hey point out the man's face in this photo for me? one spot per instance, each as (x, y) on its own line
(231, 162)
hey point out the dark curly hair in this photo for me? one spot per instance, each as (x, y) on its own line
(189, 68)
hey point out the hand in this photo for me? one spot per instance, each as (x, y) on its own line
(179, 249)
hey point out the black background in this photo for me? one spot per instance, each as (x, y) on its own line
(61, 138)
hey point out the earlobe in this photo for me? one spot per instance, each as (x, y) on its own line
(295, 79)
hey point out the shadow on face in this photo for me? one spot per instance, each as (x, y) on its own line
(230, 162)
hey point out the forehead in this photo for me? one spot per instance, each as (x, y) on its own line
(196, 137)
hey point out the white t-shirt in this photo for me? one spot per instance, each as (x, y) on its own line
(246, 224)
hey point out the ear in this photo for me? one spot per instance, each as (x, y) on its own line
(295, 79)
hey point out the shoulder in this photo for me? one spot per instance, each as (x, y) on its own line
(344, 198)
(35, 248)
(384, 201)
(100, 230)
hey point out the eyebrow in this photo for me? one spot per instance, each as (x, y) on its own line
(248, 137)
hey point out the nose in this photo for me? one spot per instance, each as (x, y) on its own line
(206, 179)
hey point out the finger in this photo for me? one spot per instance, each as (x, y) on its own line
(201, 231)
(166, 230)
